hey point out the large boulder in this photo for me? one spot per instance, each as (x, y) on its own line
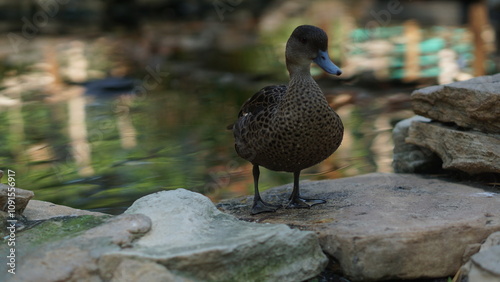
(193, 239)
(168, 236)
(474, 103)
(388, 226)
(467, 150)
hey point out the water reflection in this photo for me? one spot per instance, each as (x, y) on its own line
(103, 152)
(77, 129)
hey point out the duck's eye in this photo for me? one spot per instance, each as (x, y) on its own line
(303, 40)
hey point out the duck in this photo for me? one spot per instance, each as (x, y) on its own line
(290, 127)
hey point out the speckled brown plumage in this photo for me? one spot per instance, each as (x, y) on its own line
(290, 128)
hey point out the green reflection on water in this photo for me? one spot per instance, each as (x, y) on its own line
(181, 142)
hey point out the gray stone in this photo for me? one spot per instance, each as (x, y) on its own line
(493, 240)
(485, 265)
(474, 103)
(489, 260)
(388, 226)
(133, 270)
(469, 151)
(78, 258)
(409, 158)
(190, 240)
(41, 210)
(193, 239)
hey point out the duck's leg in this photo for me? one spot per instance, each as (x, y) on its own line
(259, 206)
(296, 201)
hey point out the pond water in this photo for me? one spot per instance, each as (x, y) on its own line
(99, 140)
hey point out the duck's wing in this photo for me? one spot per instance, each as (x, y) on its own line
(267, 96)
(246, 127)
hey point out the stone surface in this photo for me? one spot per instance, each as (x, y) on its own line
(194, 240)
(31, 235)
(40, 210)
(133, 270)
(485, 265)
(493, 240)
(78, 258)
(466, 150)
(474, 103)
(389, 226)
(409, 158)
(22, 197)
(488, 260)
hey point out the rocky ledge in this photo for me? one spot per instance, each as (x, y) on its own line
(460, 125)
(389, 226)
(474, 103)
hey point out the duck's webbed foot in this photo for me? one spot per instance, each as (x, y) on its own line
(260, 206)
(301, 203)
(312, 202)
(296, 201)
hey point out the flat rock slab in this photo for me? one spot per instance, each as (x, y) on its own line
(40, 210)
(474, 103)
(193, 240)
(466, 150)
(389, 226)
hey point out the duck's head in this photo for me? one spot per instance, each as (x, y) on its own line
(308, 43)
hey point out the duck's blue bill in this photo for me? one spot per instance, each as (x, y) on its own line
(323, 60)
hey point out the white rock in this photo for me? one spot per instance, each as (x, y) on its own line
(186, 239)
(193, 239)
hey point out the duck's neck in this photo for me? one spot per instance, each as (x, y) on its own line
(302, 86)
(298, 70)
(303, 94)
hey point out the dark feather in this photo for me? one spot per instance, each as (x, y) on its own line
(267, 96)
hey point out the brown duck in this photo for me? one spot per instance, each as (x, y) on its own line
(290, 128)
